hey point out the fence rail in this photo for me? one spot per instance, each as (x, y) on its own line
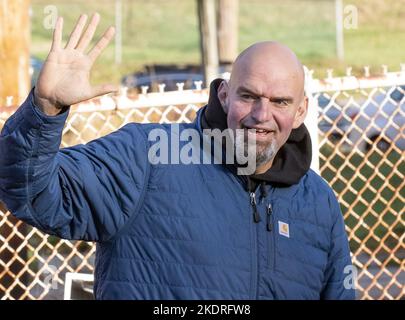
(360, 140)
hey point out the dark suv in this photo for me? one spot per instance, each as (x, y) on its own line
(169, 75)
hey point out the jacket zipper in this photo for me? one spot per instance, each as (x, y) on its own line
(253, 203)
(271, 237)
(269, 214)
(255, 251)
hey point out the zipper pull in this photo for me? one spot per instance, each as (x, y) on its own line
(253, 203)
(269, 213)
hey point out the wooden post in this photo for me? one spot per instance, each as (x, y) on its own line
(227, 32)
(15, 83)
(208, 39)
(14, 51)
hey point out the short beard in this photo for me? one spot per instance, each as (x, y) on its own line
(256, 152)
(266, 154)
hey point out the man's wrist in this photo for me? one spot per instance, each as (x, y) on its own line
(47, 107)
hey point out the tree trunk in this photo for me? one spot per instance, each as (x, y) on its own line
(208, 38)
(227, 32)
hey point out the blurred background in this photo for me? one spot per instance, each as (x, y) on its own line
(165, 53)
(167, 32)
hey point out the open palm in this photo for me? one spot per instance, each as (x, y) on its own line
(65, 76)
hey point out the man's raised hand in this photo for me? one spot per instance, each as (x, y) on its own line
(65, 76)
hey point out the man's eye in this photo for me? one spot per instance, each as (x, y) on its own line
(247, 96)
(281, 102)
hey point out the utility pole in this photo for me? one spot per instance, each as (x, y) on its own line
(14, 51)
(339, 29)
(14, 87)
(227, 32)
(208, 38)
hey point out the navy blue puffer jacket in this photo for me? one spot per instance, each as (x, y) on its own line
(172, 231)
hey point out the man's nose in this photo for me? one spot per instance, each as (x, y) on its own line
(261, 111)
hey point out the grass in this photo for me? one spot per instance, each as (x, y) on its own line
(160, 31)
(153, 32)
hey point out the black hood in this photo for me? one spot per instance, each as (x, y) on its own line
(292, 160)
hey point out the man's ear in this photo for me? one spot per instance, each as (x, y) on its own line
(301, 113)
(222, 93)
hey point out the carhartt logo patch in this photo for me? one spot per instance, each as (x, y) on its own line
(283, 229)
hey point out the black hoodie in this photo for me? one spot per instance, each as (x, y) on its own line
(292, 160)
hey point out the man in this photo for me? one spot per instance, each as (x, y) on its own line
(177, 231)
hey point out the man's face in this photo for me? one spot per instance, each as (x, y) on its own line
(269, 99)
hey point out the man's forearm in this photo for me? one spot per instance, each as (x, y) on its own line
(29, 141)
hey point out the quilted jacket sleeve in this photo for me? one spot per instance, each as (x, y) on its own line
(85, 192)
(339, 275)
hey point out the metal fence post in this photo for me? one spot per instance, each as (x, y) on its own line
(311, 120)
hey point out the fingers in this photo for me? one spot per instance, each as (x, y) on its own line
(79, 42)
(104, 89)
(77, 32)
(57, 35)
(89, 33)
(102, 43)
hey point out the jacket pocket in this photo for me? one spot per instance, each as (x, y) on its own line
(297, 255)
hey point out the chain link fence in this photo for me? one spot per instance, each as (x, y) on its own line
(361, 150)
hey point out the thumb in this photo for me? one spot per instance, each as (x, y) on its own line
(104, 89)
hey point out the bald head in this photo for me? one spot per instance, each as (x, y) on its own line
(269, 56)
